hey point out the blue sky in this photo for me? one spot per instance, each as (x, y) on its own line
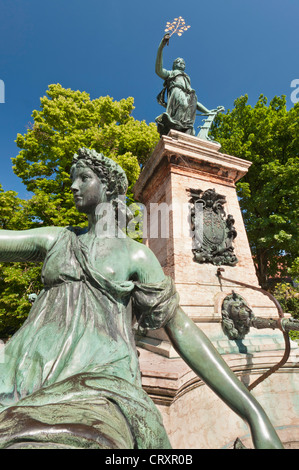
(233, 47)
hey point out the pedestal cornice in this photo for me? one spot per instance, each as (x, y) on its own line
(196, 154)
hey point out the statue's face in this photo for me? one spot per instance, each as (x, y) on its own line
(88, 189)
(179, 64)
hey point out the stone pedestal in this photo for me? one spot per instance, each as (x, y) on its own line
(179, 164)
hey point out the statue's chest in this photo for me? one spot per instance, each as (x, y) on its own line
(107, 257)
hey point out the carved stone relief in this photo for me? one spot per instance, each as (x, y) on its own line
(214, 232)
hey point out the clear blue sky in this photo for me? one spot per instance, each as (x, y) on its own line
(108, 48)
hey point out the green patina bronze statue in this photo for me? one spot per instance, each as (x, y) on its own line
(182, 104)
(71, 378)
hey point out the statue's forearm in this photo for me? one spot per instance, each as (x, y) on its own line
(160, 71)
(199, 353)
(202, 108)
(26, 245)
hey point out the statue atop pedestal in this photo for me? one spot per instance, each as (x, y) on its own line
(182, 104)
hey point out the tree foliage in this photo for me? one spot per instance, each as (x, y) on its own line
(288, 297)
(66, 121)
(267, 134)
(17, 280)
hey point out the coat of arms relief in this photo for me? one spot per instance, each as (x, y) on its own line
(214, 232)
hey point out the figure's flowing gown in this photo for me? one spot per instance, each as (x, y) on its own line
(76, 352)
(181, 104)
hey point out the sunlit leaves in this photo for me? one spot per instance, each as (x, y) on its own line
(288, 297)
(66, 121)
(17, 280)
(267, 134)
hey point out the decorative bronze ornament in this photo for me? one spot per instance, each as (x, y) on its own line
(214, 233)
(238, 318)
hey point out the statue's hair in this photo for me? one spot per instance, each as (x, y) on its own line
(111, 173)
(106, 169)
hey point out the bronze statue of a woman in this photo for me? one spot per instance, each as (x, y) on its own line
(181, 104)
(71, 378)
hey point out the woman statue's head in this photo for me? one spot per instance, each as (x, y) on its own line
(97, 179)
(179, 64)
(108, 171)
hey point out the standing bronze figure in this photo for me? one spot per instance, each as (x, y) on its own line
(181, 105)
(71, 376)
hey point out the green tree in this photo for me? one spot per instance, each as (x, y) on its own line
(17, 280)
(268, 136)
(66, 121)
(288, 297)
(294, 269)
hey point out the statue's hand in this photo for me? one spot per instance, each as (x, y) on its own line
(165, 39)
(217, 110)
(289, 324)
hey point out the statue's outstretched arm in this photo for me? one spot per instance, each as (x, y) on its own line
(202, 108)
(160, 71)
(199, 353)
(26, 245)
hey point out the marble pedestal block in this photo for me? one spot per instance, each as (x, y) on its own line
(181, 163)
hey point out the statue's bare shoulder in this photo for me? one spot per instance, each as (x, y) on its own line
(145, 267)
